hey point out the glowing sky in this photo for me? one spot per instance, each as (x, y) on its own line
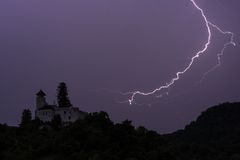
(121, 45)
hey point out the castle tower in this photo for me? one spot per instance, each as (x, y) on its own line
(40, 100)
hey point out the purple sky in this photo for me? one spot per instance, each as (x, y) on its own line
(121, 45)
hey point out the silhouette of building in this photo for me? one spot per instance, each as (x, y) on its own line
(46, 112)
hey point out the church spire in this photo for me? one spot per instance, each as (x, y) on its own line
(40, 99)
(41, 94)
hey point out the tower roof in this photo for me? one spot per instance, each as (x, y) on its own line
(41, 93)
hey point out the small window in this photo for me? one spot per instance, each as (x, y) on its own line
(69, 118)
(64, 112)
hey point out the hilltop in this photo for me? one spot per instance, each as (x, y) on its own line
(214, 135)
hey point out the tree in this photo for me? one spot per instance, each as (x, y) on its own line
(63, 99)
(26, 117)
(56, 122)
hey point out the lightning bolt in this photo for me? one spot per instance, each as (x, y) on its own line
(111, 91)
(208, 25)
(219, 55)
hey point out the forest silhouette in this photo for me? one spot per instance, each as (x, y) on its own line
(213, 136)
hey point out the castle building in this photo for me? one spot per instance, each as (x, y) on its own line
(46, 112)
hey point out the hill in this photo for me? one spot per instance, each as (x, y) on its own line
(214, 135)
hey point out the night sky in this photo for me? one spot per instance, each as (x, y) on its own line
(122, 45)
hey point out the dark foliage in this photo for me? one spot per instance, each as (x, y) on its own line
(26, 117)
(56, 122)
(215, 135)
(62, 96)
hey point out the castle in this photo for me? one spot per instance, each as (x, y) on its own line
(46, 112)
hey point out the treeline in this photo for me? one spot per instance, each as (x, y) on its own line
(214, 135)
(95, 137)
